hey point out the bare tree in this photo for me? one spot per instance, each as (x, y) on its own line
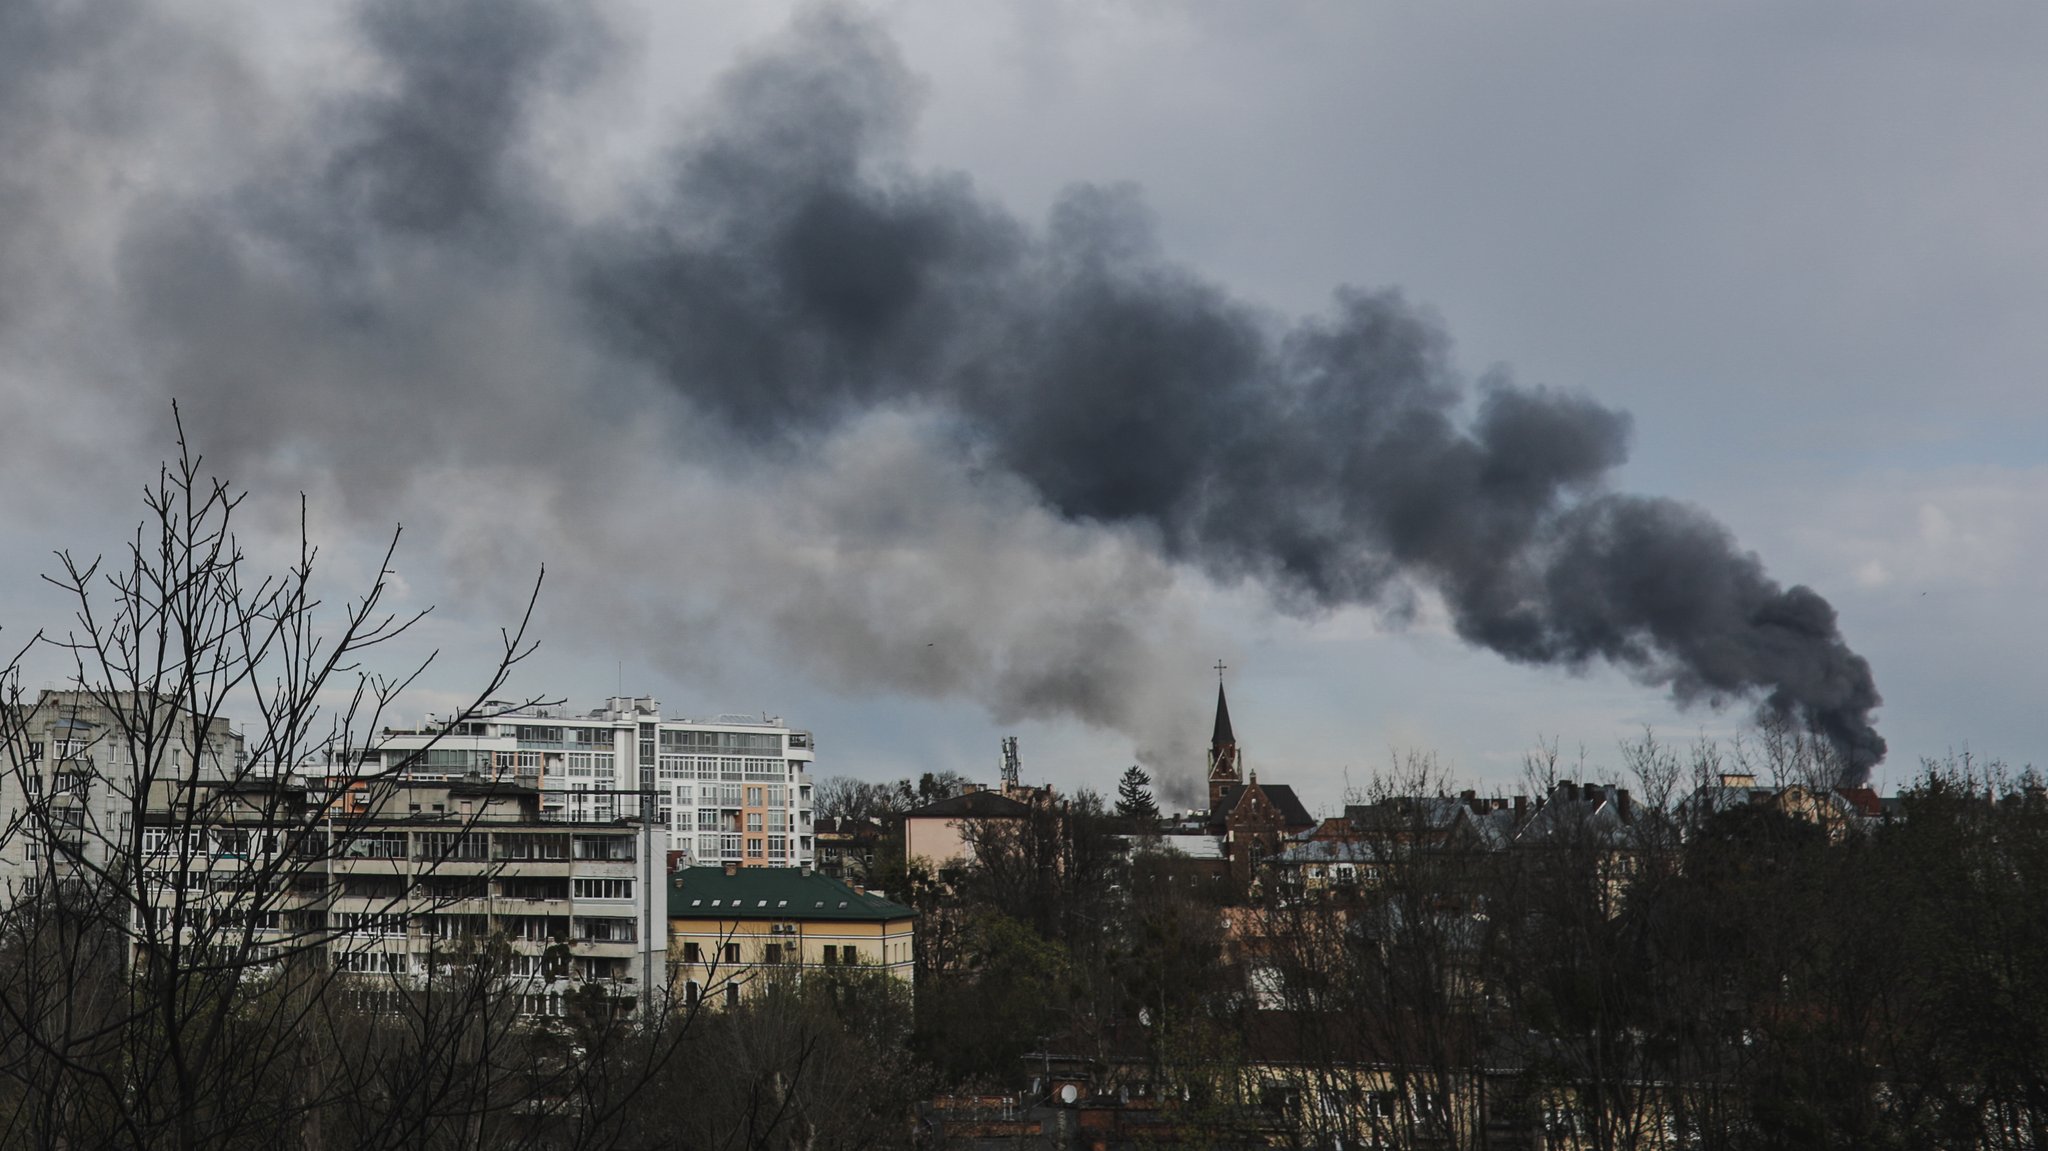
(177, 975)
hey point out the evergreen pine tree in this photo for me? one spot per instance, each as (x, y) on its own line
(1134, 796)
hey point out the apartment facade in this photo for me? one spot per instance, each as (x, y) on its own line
(69, 766)
(396, 880)
(734, 789)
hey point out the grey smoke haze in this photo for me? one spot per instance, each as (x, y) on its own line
(390, 288)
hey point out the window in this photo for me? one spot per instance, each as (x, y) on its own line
(456, 926)
(771, 953)
(849, 954)
(373, 845)
(778, 847)
(369, 923)
(604, 889)
(692, 953)
(517, 762)
(755, 848)
(607, 847)
(753, 821)
(533, 847)
(453, 845)
(732, 953)
(373, 962)
(732, 995)
(605, 930)
(754, 797)
(438, 760)
(831, 954)
(693, 993)
(541, 1004)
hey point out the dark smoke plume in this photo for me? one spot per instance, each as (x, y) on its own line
(794, 278)
(788, 276)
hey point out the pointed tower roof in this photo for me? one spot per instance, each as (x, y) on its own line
(1223, 733)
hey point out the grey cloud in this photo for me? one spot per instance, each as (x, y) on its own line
(399, 287)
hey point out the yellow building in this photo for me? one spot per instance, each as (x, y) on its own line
(732, 927)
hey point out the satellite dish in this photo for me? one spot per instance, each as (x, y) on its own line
(1069, 1093)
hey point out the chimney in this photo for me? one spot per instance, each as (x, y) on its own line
(806, 869)
(1521, 807)
(1621, 800)
(732, 869)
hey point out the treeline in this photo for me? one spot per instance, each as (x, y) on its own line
(1675, 974)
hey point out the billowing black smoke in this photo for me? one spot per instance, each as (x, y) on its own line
(792, 278)
(402, 254)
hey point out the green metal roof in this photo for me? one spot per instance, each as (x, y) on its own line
(772, 893)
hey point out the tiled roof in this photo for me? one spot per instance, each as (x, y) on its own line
(772, 893)
(1292, 813)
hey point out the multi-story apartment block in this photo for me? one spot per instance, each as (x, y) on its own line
(69, 766)
(400, 879)
(735, 789)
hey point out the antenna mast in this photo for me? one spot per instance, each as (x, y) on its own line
(1010, 763)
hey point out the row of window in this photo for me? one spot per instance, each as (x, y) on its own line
(671, 740)
(835, 954)
(681, 767)
(522, 928)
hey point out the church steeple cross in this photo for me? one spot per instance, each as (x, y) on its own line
(1220, 665)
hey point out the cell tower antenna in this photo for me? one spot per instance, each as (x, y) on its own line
(1010, 762)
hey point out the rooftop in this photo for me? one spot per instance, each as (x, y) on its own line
(973, 805)
(772, 893)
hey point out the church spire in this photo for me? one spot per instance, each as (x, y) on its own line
(1224, 769)
(1223, 733)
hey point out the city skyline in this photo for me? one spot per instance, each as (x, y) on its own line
(1793, 251)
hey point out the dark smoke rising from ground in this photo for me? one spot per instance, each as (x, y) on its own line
(790, 280)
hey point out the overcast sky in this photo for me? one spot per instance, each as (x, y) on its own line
(458, 266)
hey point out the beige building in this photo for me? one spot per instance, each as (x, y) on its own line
(937, 834)
(73, 767)
(732, 929)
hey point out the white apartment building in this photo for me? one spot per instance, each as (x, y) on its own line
(733, 789)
